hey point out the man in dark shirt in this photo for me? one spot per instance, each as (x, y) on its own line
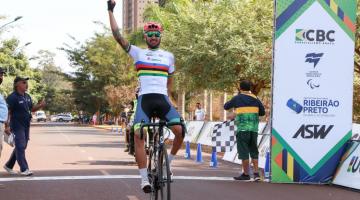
(248, 108)
(20, 108)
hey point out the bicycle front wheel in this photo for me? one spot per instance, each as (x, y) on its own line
(164, 177)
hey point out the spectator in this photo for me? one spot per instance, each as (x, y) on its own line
(3, 114)
(248, 108)
(199, 113)
(94, 119)
(128, 126)
(20, 108)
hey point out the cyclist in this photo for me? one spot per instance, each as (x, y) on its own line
(130, 127)
(155, 68)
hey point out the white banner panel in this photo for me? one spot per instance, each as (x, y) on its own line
(230, 155)
(312, 88)
(193, 130)
(263, 148)
(356, 132)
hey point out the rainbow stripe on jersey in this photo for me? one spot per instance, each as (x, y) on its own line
(151, 69)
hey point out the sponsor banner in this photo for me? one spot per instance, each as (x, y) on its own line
(236, 159)
(206, 133)
(356, 132)
(348, 173)
(230, 155)
(193, 130)
(264, 146)
(313, 56)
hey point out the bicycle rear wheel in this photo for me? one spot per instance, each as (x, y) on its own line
(164, 176)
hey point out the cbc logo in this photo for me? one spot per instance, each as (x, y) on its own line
(315, 36)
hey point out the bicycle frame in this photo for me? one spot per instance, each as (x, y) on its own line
(158, 158)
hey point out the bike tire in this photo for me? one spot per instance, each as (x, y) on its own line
(164, 179)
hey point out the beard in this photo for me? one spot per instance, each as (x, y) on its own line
(152, 46)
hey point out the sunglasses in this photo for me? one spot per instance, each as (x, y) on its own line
(151, 34)
(24, 82)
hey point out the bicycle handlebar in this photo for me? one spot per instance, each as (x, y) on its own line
(162, 123)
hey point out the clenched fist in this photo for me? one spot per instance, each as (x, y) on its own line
(111, 5)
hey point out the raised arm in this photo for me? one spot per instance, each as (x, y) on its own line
(115, 29)
(38, 106)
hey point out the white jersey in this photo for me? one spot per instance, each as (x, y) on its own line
(153, 68)
(199, 114)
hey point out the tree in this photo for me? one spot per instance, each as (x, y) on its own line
(101, 66)
(118, 97)
(56, 86)
(218, 44)
(16, 63)
(356, 105)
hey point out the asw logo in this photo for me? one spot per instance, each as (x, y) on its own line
(313, 58)
(313, 131)
(311, 36)
(354, 165)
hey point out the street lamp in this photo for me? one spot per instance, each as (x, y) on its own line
(16, 19)
(21, 47)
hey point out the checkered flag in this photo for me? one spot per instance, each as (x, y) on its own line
(224, 136)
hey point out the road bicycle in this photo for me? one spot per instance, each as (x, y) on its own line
(158, 161)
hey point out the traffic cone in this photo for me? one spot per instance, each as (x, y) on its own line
(213, 162)
(267, 168)
(199, 154)
(187, 151)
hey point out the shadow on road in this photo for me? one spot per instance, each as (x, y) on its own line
(104, 162)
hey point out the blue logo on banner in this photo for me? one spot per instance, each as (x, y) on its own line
(313, 58)
(295, 106)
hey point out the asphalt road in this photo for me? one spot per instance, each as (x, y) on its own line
(86, 163)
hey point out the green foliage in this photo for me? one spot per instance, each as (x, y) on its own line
(356, 104)
(56, 87)
(217, 44)
(100, 62)
(16, 63)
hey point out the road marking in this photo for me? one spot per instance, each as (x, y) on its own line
(54, 178)
(132, 197)
(70, 142)
(104, 172)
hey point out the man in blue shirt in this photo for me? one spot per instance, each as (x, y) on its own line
(20, 108)
(3, 112)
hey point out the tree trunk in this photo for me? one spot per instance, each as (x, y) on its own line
(209, 110)
(181, 103)
(205, 103)
(223, 115)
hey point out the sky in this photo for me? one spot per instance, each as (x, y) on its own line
(47, 24)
